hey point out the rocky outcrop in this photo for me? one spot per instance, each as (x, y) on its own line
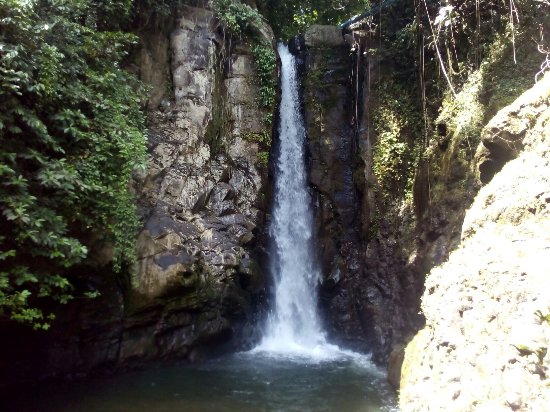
(201, 195)
(196, 286)
(485, 344)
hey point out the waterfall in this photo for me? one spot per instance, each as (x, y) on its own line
(293, 325)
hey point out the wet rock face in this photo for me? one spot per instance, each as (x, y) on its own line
(197, 281)
(368, 293)
(328, 109)
(328, 116)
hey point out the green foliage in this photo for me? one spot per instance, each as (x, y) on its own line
(262, 138)
(161, 7)
(263, 158)
(240, 19)
(301, 20)
(396, 152)
(264, 142)
(71, 133)
(504, 80)
(290, 18)
(495, 84)
(237, 18)
(265, 62)
(465, 34)
(390, 155)
(489, 61)
(463, 115)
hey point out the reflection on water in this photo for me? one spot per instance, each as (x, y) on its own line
(242, 382)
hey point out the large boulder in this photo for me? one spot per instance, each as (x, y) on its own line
(486, 343)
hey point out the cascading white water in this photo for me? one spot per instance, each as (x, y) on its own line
(294, 325)
(293, 337)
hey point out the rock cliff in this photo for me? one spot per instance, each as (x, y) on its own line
(370, 291)
(202, 194)
(197, 281)
(485, 344)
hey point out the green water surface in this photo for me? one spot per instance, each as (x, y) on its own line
(242, 382)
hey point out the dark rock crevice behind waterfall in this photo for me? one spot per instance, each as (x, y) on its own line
(369, 292)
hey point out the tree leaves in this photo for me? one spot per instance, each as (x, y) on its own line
(237, 18)
(71, 133)
(290, 18)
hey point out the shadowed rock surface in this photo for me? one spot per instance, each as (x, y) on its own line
(369, 293)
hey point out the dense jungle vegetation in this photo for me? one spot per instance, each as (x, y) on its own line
(72, 124)
(71, 133)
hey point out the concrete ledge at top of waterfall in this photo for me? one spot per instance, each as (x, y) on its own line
(324, 36)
